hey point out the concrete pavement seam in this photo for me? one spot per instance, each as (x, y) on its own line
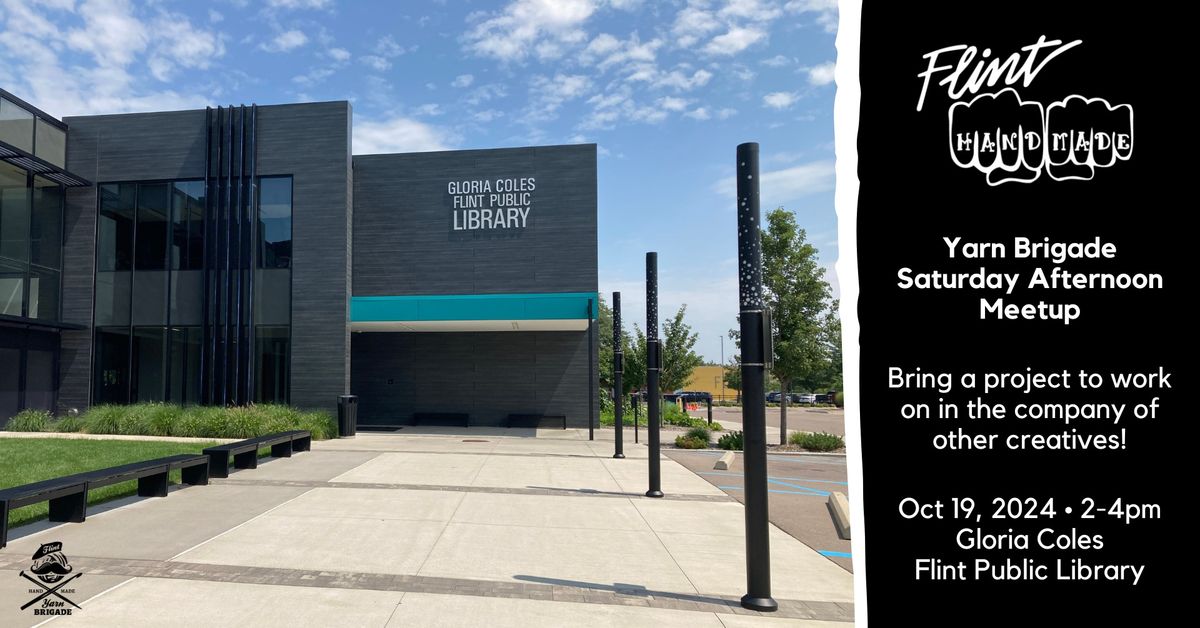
(261, 514)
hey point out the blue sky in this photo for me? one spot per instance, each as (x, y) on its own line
(666, 89)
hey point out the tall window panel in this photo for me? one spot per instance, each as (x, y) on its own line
(150, 254)
(111, 366)
(272, 353)
(14, 214)
(114, 254)
(186, 255)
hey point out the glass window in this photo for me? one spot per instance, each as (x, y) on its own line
(114, 250)
(271, 364)
(148, 365)
(51, 143)
(187, 226)
(12, 290)
(114, 254)
(185, 365)
(46, 234)
(16, 126)
(112, 365)
(275, 222)
(43, 295)
(39, 379)
(14, 213)
(10, 379)
(152, 223)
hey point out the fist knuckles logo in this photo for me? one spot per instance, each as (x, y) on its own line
(1010, 139)
(1083, 134)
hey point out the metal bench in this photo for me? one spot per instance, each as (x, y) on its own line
(68, 495)
(245, 452)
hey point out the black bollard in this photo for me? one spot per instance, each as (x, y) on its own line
(618, 369)
(653, 365)
(755, 356)
(710, 410)
(591, 340)
(636, 408)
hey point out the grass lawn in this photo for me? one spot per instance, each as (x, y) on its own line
(25, 460)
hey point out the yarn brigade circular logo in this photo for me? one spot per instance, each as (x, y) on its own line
(51, 573)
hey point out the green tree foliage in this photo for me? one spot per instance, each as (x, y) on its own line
(800, 300)
(805, 324)
(605, 330)
(679, 357)
(635, 360)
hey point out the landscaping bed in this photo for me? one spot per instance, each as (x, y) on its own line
(164, 419)
(27, 460)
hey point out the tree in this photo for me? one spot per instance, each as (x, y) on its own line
(733, 376)
(799, 298)
(679, 358)
(635, 360)
(804, 317)
(605, 330)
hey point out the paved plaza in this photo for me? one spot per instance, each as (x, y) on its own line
(431, 527)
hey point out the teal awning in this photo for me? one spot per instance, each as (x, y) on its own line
(556, 311)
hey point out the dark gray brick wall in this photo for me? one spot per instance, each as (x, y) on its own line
(404, 244)
(311, 142)
(488, 375)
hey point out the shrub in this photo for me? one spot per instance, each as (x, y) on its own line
(69, 423)
(106, 419)
(163, 419)
(733, 440)
(687, 442)
(699, 432)
(29, 420)
(839, 400)
(817, 441)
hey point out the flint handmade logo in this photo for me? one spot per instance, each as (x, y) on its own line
(51, 575)
(1009, 138)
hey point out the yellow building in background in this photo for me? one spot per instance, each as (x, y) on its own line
(708, 379)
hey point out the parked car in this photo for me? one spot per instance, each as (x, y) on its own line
(805, 398)
(774, 396)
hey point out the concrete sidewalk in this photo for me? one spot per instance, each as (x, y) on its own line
(436, 527)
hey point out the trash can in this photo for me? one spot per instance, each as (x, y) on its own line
(347, 415)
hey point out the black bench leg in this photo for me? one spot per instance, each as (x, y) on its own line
(71, 508)
(153, 485)
(218, 464)
(246, 460)
(282, 450)
(195, 475)
(3, 524)
(302, 444)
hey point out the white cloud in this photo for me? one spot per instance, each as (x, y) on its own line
(376, 62)
(398, 135)
(778, 61)
(548, 94)
(671, 103)
(777, 187)
(693, 23)
(428, 109)
(119, 53)
(340, 55)
(753, 10)
(525, 27)
(780, 100)
(606, 51)
(487, 115)
(821, 74)
(726, 113)
(388, 48)
(313, 76)
(462, 80)
(678, 80)
(699, 113)
(285, 41)
(299, 4)
(484, 93)
(826, 12)
(737, 39)
(215, 16)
